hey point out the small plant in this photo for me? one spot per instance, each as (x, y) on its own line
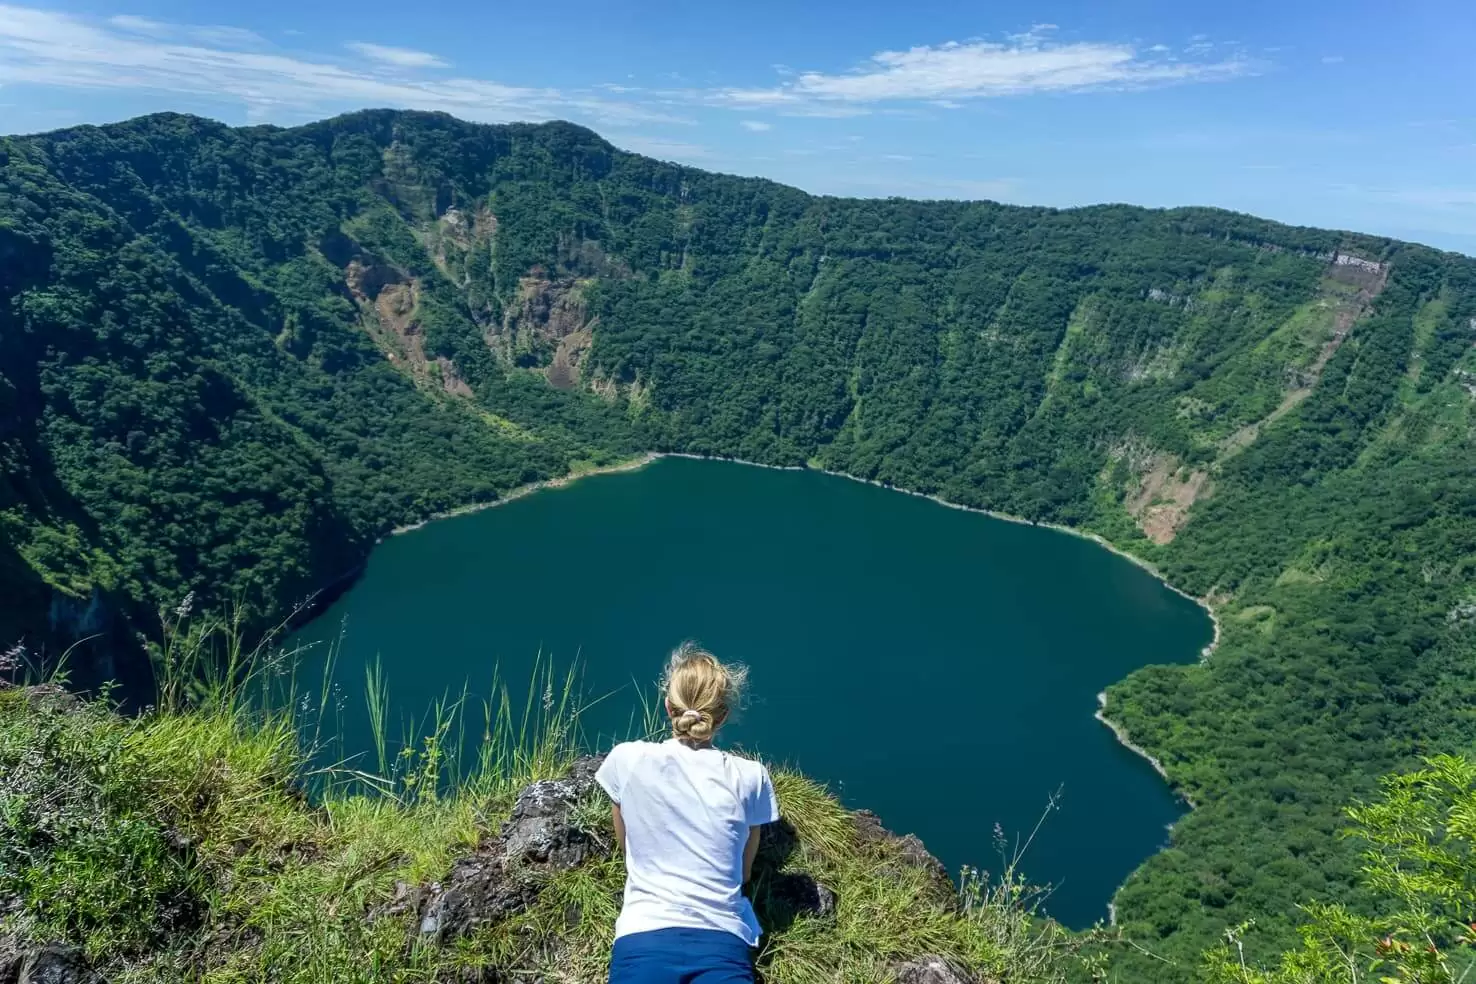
(86, 850)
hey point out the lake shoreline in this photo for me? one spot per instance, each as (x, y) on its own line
(524, 490)
(633, 464)
(1126, 741)
(1118, 731)
(651, 457)
(1096, 538)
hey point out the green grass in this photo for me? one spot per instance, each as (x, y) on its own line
(204, 840)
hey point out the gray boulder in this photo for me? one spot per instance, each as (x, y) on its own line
(505, 875)
(930, 970)
(52, 964)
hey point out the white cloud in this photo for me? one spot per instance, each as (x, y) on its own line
(44, 47)
(1332, 59)
(213, 34)
(755, 125)
(399, 57)
(272, 83)
(139, 25)
(1025, 63)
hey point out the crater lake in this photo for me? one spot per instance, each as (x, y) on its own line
(936, 666)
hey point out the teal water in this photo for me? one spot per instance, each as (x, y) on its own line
(936, 666)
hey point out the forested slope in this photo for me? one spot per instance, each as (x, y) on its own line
(237, 356)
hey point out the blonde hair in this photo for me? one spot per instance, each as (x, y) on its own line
(701, 691)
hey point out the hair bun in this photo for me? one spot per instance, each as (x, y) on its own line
(692, 723)
(700, 691)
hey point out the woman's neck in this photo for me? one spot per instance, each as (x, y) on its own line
(694, 742)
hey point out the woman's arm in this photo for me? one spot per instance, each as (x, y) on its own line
(750, 851)
(619, 825)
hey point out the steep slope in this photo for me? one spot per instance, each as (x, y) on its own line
(240, 355)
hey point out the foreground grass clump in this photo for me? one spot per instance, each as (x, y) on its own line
(181, 843)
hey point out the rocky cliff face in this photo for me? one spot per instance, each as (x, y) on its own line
(547, 327)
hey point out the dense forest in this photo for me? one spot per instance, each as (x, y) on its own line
(230, 359)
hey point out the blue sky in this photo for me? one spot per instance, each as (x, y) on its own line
(1351, 115)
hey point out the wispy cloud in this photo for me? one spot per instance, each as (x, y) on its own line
(1021, 64)
(1332, 59)
(399, 57)
(212, 34)
(44, 47)
(233, 66)
(756, 126)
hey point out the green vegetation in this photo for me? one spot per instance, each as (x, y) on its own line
(229, 359)
(1417, 856)
(178, 844)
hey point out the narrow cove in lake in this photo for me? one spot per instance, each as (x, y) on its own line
(936, 666)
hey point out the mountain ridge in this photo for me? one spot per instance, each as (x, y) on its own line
(211, 400)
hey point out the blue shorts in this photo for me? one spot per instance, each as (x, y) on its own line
(681, 956)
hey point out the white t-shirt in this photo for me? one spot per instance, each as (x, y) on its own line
(687, 812)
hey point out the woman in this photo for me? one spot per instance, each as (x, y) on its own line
(687, 817)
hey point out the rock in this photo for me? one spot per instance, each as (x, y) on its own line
(479, 891)
(481, 975)
(539, 829)
(51, 697)
(505, 875)
(407, 899)
(799, 894)
(54, 965)
(49, 964)
(930, 970)
(909, 849)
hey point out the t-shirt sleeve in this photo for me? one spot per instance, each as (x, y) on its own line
(762, 806)
(611, 773)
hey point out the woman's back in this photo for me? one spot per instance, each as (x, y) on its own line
(687, 817)
(687, 813)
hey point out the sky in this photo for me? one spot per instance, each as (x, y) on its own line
(1350, 115)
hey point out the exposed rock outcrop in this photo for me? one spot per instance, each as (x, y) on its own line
(909, 849)
(931, 970)
(390, 301)
(547, 326)
(505, 875)
(49, 964)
